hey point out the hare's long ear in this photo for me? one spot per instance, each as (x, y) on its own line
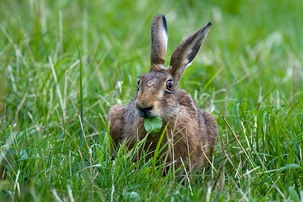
(158, 40)
(186, 51)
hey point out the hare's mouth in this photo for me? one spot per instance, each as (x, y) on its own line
(146, 112)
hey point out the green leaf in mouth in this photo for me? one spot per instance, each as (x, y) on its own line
(153, 125)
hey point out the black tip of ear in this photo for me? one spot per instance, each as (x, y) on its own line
(204, 30)
(164, 23)
(163, 20)
(207, 26)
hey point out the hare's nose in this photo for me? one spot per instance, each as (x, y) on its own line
(144, 110)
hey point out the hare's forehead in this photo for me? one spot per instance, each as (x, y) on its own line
(154, 78)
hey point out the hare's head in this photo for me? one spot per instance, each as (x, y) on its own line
(156, 94)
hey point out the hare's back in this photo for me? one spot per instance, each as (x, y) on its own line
(209, 123)
(206, 123)
(186, 102)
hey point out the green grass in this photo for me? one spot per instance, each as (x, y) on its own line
(64, 63)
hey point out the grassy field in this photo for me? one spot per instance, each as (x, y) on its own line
(63, 64)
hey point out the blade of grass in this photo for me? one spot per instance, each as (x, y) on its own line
(80, 92)
(238, 141)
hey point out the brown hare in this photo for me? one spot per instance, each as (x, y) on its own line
(189, 133)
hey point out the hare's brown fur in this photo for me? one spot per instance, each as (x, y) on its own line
(190, 133)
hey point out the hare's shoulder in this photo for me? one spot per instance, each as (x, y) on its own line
(115, 120)
(118, 117)
(122, 112)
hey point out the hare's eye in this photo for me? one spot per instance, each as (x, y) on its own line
(169, 85)
(138, 82)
